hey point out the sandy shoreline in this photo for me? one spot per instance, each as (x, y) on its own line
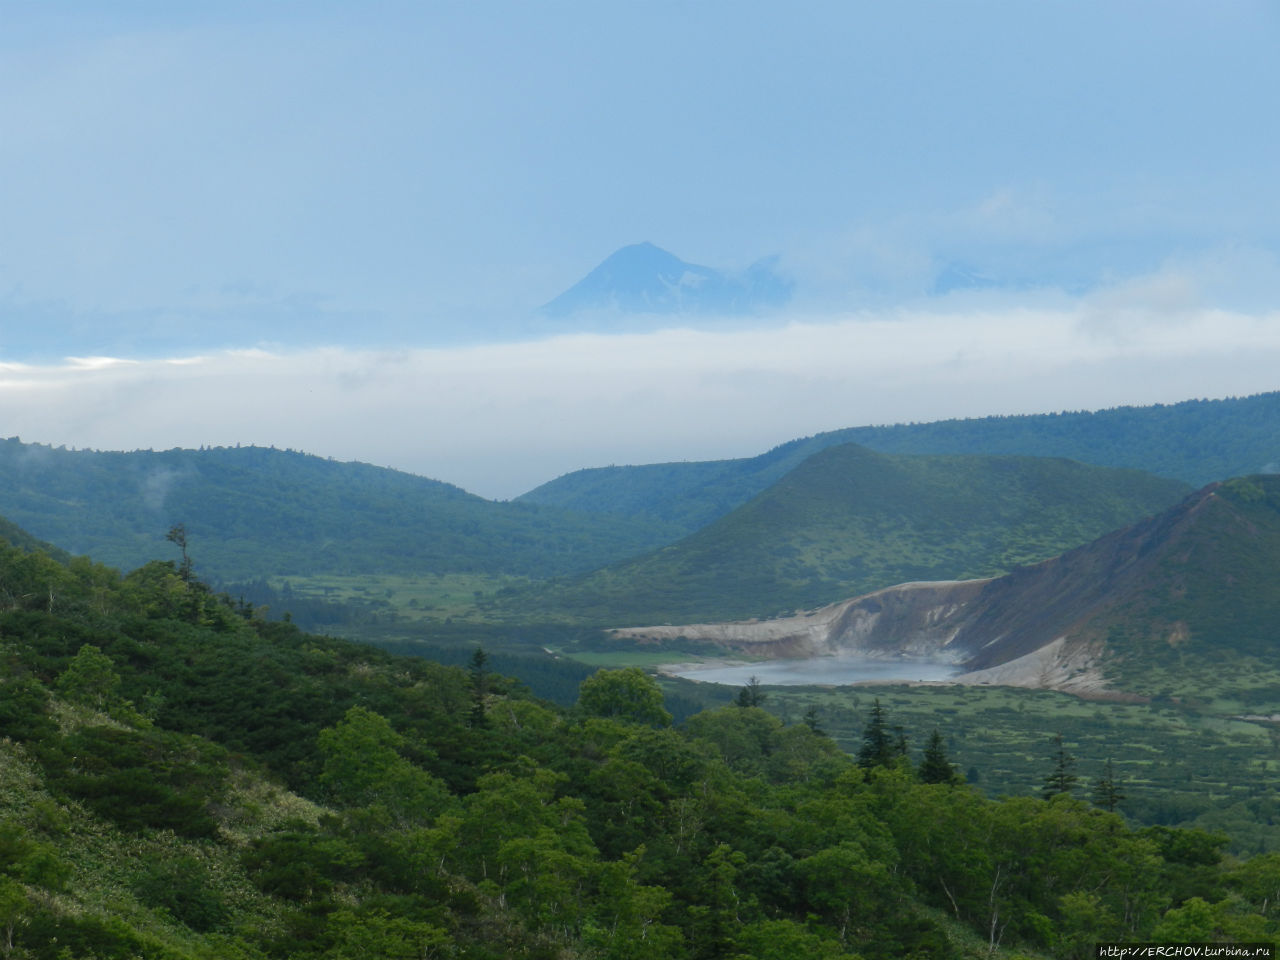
(813, 671)
(715, 663)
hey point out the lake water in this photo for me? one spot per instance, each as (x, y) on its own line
(825, 670)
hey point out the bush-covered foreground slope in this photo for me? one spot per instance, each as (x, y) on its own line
(1197, 442)
(179, 780)
(253, 511)
(849, 520)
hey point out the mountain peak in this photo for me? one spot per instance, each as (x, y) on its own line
(644, 278)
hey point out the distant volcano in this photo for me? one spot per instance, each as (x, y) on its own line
(643, 278)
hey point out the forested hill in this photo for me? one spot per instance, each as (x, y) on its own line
(849, 520)
(182, 781)
(254, 510)
(1197, 442)
(15, 536)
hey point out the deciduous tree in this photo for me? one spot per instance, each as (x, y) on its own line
(627, 694)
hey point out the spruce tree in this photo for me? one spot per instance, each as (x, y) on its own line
(879, 747)
(935, 767)
(1106, 793)
(1063, 778)
(751, 695)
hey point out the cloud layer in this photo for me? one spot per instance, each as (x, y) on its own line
(498, 419)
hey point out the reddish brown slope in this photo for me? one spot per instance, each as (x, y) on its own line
(1079, 594)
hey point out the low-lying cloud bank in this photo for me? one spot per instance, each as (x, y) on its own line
(499, 419)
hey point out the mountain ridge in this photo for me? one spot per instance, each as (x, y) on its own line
(251, 511)
(1195, 441)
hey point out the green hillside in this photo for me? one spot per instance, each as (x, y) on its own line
(689, 494)
(1197, 442)
(15, 536)
(849, 520)
(252, 511)
(182, 781)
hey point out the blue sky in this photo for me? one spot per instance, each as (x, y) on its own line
(378, 184)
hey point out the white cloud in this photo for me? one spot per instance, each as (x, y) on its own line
(499, 419)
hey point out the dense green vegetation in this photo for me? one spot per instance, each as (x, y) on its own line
(1197, 442)
(254, 511)
(180, 779)
(848, 521)
(425, 598)
(1181, 764)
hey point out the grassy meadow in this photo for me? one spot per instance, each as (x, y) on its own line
(415, 598)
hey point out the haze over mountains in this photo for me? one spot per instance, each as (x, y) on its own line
(637, 286)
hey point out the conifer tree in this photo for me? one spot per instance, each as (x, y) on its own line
(1063, 778)
(751, 695)
(1106, 793)
(880, 747)
(935, 767)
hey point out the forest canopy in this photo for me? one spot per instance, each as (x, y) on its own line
(183, 779)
